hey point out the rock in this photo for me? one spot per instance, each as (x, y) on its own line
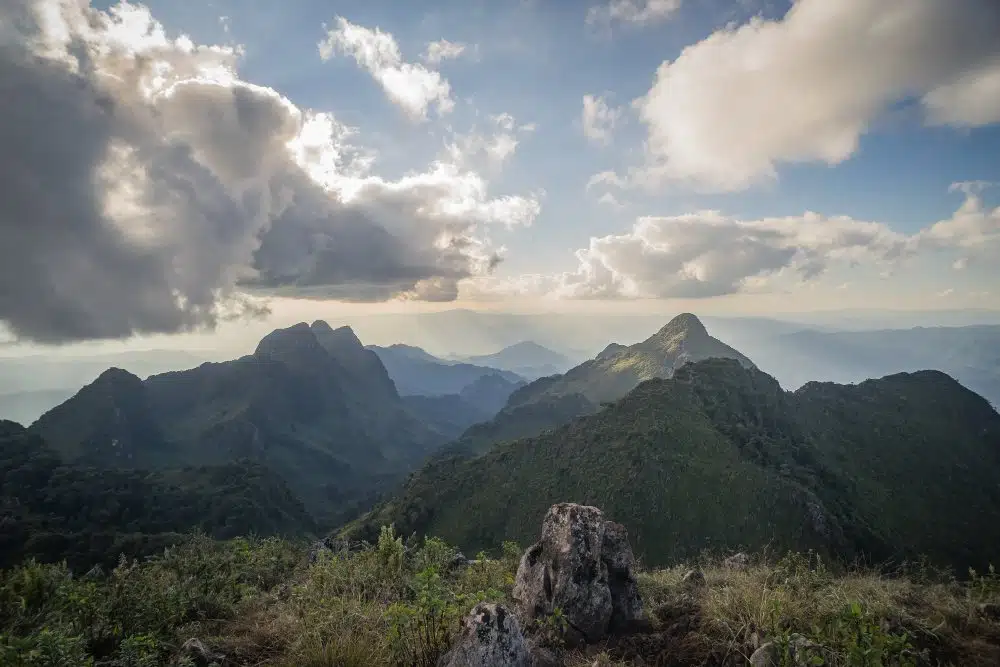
(542, 656)
(693, 579)
(584, 566)
(490, 637)
(626, 604)
(765, 656)
(198, 654)
(738, 561)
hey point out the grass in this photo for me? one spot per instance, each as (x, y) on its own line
(262, 602)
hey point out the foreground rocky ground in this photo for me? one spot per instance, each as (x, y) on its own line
(575, 598)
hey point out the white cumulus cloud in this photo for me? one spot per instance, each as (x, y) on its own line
(148, 189)
(807, 87)
(413, 87)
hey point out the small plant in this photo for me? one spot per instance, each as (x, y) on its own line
(552, 629)
(390, 551)
(420, 631)
(861, 641)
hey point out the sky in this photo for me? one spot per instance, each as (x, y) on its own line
(175, 166)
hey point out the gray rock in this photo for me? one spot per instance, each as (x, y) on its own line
(490, 637)
(738, 561)
(626, 604)
(584, 566)
(765, 656)
(693, 579)
(542, 656)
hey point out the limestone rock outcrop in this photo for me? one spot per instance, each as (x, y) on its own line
(490, 637)
(583, 565)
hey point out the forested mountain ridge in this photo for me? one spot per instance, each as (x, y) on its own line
(720, 457)
(551, 401)
(54, 511)
(618, 369)
(311, 403)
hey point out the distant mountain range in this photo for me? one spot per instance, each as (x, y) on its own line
(527, 358)
(417, 373)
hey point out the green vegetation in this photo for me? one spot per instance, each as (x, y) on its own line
(265, 602)
(51, 511)
(719, 457)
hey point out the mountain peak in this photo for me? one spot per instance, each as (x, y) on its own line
(611, 350)
(292, 341)
(117, 377)
(687, 324)
(342, 338)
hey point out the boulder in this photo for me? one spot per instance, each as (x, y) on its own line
(583, 565)
(490, 637)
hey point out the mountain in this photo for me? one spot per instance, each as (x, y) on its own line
(970, 354)
(490, 392)
(720, 457)
(528, 359)
(551, 401)
(450, 414)
(417, 373)
(311, 403)
(618, 369)
(53, 511)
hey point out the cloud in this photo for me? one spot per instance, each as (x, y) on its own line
(497, 144)
(147, 189)
(810, 85)
(609, 178)
(599, 119)
(609, 199)
(708, 254)
(637, 12)
(443, 50)
(413, 87)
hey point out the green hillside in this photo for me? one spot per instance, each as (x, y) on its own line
(719, 457)
(52, 511)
